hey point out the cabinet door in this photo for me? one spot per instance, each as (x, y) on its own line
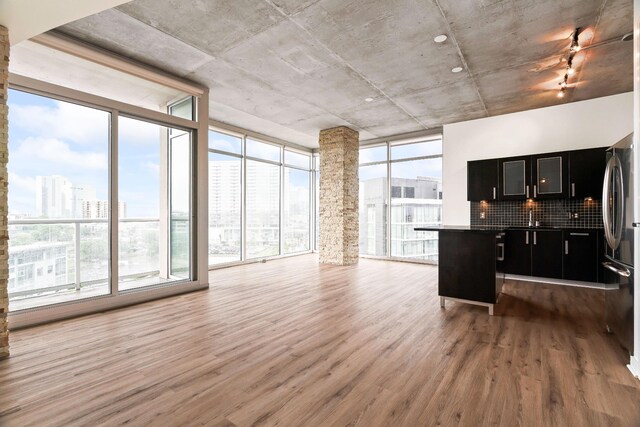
(482, 180)
(581, 255)
(586, 173)
(515, 178)
(550, 176)
(517, 252)
(546, 254)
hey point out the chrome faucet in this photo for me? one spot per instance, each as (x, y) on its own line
(530, 217)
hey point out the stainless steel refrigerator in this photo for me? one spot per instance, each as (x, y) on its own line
(617, 211)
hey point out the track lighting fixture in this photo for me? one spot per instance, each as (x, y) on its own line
(574, 47)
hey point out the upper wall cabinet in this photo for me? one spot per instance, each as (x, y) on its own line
(515, 178)
(572, 174)
(586, 173)
(482, 180)
(550, 176)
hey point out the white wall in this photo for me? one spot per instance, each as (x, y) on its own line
(586, 124)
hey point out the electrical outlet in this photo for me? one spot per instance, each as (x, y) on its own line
(483, 215)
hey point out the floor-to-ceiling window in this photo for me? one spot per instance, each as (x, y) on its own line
(373, 200)
(259, 199)
(225, 198)
(401, 189)
(58, 185)
(64, 208)
(297, 202)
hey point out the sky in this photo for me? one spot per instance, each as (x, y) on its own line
(50, 137)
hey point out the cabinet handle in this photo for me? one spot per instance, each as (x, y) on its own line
(535, 191)
(579, 234)
(535, 237)
(527, 238)
(566, 247)
(573, 189)
(494, 193)
(527, 191)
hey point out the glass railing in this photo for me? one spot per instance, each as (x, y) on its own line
(55, 260)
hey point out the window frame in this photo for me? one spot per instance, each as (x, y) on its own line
(389, 162)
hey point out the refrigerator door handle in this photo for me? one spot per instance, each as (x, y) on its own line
(610, 207)
(619, 271)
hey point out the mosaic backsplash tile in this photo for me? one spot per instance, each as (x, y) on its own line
(550, 213)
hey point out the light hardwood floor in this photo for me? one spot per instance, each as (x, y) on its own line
(293, 343)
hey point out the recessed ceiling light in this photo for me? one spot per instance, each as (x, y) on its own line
(456, 69)
(368, 99)
(440, 39)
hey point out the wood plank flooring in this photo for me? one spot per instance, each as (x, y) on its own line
(293, 343)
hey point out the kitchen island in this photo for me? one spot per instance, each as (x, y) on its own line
(470, 264)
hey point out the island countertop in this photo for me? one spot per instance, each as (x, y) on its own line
(461, 228)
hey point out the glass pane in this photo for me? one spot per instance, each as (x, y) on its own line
(550, 175)
(263, 209)
(418, 149)
(297, 159)
(179, 184)
(373, 209)
(373, 154)
(58, 201)
(224, 208)
(513, 173)
(224, 142)
(296, 211)
(154, 189)
(183, 109)
(417, 202)
(262, 150)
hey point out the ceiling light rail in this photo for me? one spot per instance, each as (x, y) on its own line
(574, 48)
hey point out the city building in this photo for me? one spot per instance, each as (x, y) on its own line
(57, 197)
(98, 209)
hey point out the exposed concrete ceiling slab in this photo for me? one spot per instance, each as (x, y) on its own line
(291, 68)
(116, 31)
(211, 26)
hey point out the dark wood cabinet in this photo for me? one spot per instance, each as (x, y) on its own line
(550, 176)
(546, 253)
(517, 258)
(482, 180)
(468, 266)
(534, 252)
(571, 174)
(581, 255)
(515, 178)
(586, 173)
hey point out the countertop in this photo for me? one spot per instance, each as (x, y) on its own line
(493, 229)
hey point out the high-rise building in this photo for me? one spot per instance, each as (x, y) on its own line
(414, 203)
(57, 197)
(93, 209)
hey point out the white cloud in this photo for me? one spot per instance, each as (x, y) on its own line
(66, 121)
(78, 124)
(137, 132)
(24, 183)
(153, 167)
(57, 152)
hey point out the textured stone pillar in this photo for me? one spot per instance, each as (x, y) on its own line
(339, 196)
(4, 235)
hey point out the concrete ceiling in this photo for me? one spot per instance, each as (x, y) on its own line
(289, 68)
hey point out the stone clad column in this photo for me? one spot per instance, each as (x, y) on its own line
(4, 236)
(339, 196)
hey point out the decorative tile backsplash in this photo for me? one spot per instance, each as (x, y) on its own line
(550, 213)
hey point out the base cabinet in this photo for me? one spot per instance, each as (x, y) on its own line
(581, 256)
(546, 254)
(517, 259)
